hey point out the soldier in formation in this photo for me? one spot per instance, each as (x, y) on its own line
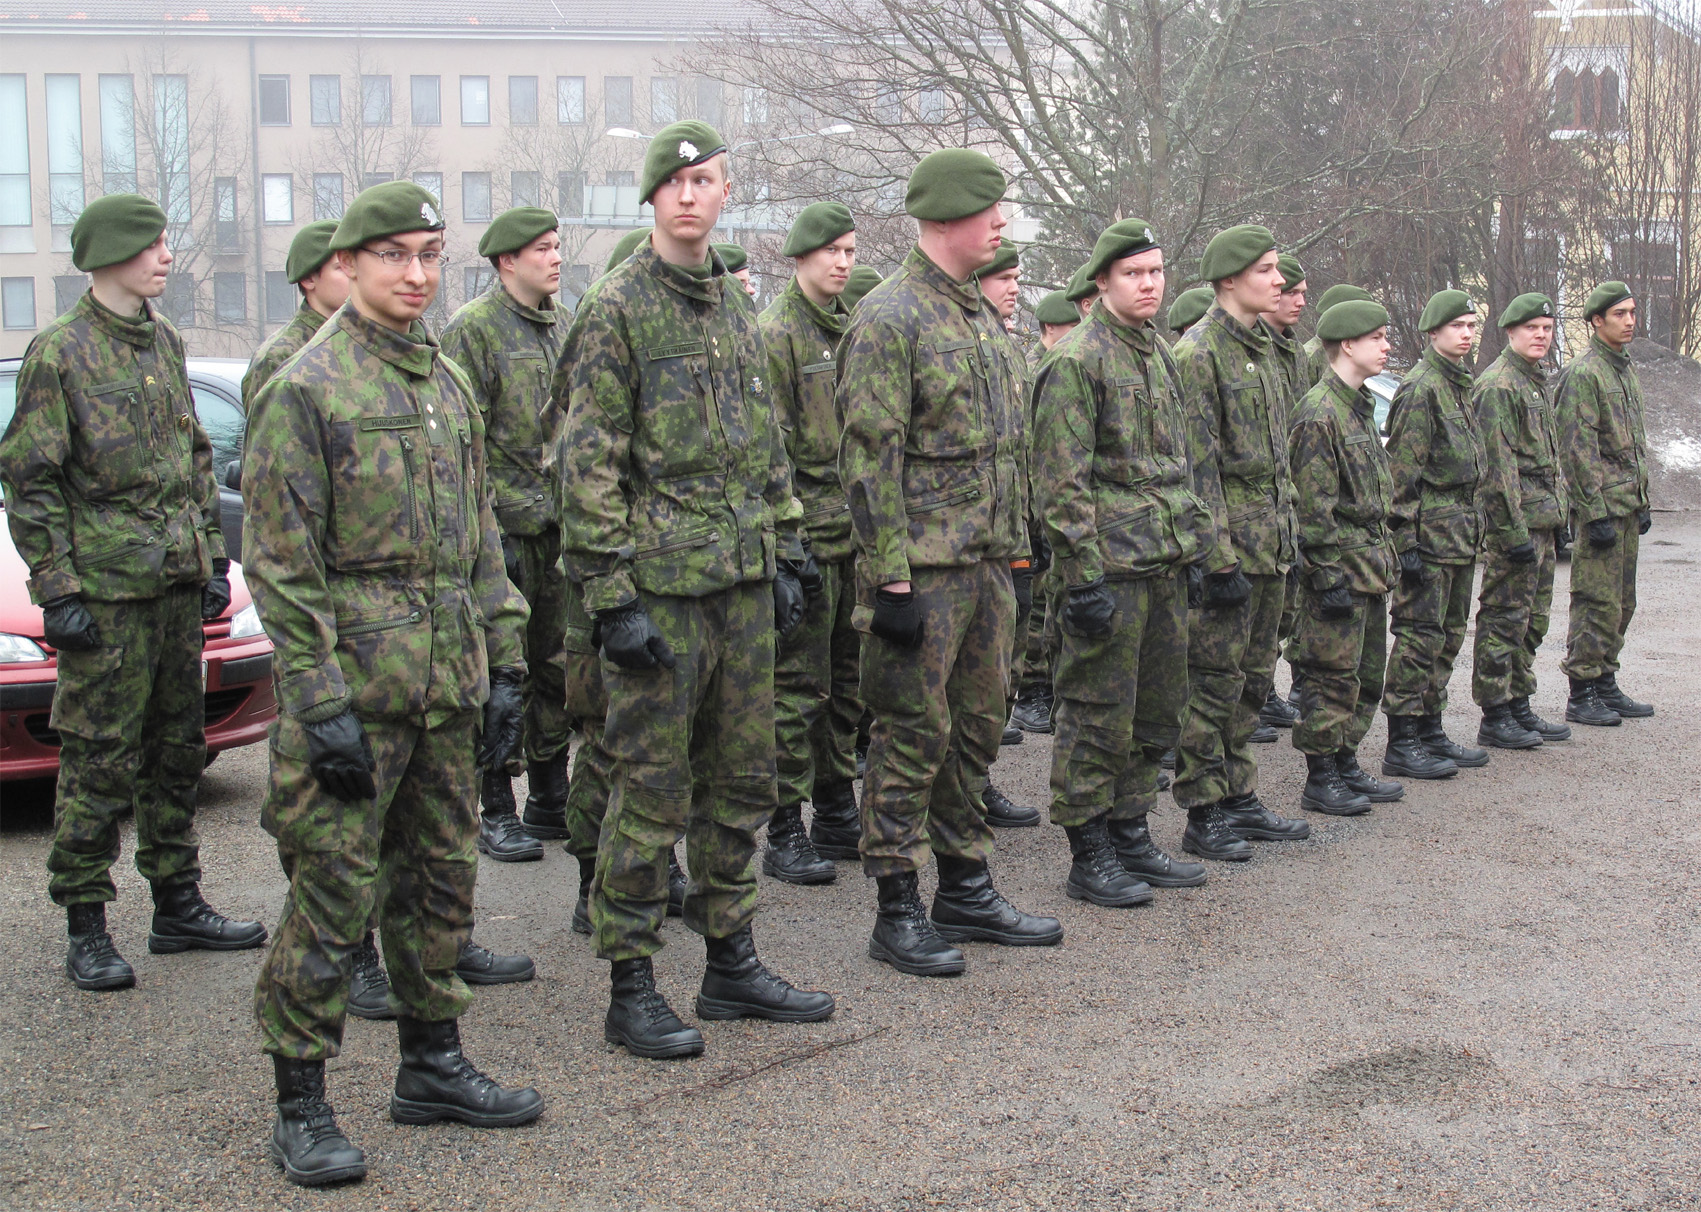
(315, 273)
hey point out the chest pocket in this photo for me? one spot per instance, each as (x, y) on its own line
(1616, 429)
(679, 428)
(1245, 430)
(525, 388)
(951, 393)
(815, 440)
(1453, 454)
(114, 445)
(377, 488)
(1364, 468)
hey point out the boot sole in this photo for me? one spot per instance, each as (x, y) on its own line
(1216, 856)
(547, 833)
(486, 978)
(980, 934)
(1005, 822)
(1491, 743)
(407, 1111)
(1311, 805)
(1284, 722)
(1379, 798)
(1405, 772)
(1126, 901)
(317, 1178)
(718, 1011)
(104, 984)
(1048, 730)
(818, 877)
(581, 925)
(1634, 715)
(529, 856)
(1551, 738)
(171, 944)
(839, 854)
(668, 1052)
(1612, 723)
(1166, 881)
(376, 1016)
(1466, 763)
(879, 952)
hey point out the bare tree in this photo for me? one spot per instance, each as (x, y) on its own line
(365, 143)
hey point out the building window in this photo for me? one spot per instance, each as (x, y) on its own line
(475, 100)
(375, 100)
(228, 231)
(1587, 100)
(620, 178)
(617, 100)
(14, 157)
(475, 197)
(64, 155)
(277, 193)
(477, 279)
(281, 296)
(709, 100)
(432, 183)
(178, 301)
(570, 100)
(755, 106)
(570, 195)
(525, 189)
(427, 100)
(327, 196)
(171, 143)
(522, 100)
(274, 100)
(930, 105)
(67, 289)
(17, 302)
(368, 180)
(325, 95)
(118, 134)
(664, 100)
(230, 297)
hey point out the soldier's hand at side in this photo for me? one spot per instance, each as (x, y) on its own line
(630, 638)
(1411, 568)
(1227, 589)
(215, 594)
(67, 625)
(808, 574)
(1195, 587)
(1645, 521)
(1022, 581)
(1602, 533)
(503, 712)
(1335, 604)
(340, 757)
(897, 617)
(1523, 553)
(1090, 611)
(790, 599)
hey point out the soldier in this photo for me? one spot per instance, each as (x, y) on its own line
(377, 568)
(737, 263)
(1237, 395)
(1112, 488)
(108, 483)
(1604, 450)
(1342, 492)
(626, 246)
(312, 270)
(1189, 308)
(1524, 511)
(816, 705)
(507, 341)
(1056, 316)
(932, 460)
(1435, 456)
(863, 279)
(680, 524)
(1316, 362)
(1277, 712)
(1081, 291)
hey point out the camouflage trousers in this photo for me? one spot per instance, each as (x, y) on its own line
(1231, 661)
(938, 716)
(693, 750)
(1289, 626)
(130, 719)
(1512, 616)
(1603, 599)
(1428, 622)
(816, 703)
(543, 584)
(587, 705)
(1339, 664)
(1039, 660)
(416, 841)
(1119, 704)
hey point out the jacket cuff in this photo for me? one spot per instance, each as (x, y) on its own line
(609, 590)
(53, 583)
(309, 695)
(1083, 568)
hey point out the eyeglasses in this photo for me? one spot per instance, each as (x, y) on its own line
(431, 258)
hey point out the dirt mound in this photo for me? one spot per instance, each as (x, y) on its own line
(1671, 394)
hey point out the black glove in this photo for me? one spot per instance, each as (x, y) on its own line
(1565, 535)
(1523, 553)
(1336, 603)
(897, 618)
(215, 594)
(1090, 610)
(67, 625)
(511, 560)
(1411, 568)
(1645, 521)
(790, 599)
(629, 639)
(808, 574)
(1195, 587)
(1022, 581)
(340, 757)
(1226, 589)
(1602, 533)
(1041, 556)
(503, 712)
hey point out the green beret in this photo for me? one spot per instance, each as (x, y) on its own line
(732, 256)
(1340, 292)
(675, 147)
(513, 229)
(1233, 250)
(1353, 318)
(627, 245)
(1117, 241)
(1444, 307)
(1293, 273)
(310, 249)
(1081, 287)
(1190, 307)
(863, 279)
(954, 183)
(1525, 308)
(113, 229)
(1607, 294)
(1008, 256)
(392, 208)
(818, 226)
(1056, 308)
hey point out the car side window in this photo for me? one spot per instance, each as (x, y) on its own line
(225, 424)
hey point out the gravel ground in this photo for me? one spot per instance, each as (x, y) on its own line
(1482, 997)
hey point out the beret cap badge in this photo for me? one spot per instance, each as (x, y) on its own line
(687, 150)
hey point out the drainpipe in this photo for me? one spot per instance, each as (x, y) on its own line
(256, 201)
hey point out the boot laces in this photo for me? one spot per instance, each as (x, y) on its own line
(318, 1121)
(367, 965)
(99, 947)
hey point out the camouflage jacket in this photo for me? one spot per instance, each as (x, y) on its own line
(934, 437)
(1111, 482)
(1237, 393)
(370, 543)
(1436, 457)
(801, 340)
(1296, 369)
(1522, 486)
(1342, 490)
(1602, 443)
(674, 477)
(1316, 362)
(108, 476)
(508, 351)
(278, 348)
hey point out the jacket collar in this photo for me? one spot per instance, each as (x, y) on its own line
(1454, 372)
(964, 294)
(414, 351)
(833, 322)
(1256, 338)
(1142, 337)
(1620, 359)
(681, 280)
(1361, 401)
(546, 315)
(1533, 371)
(134, 330)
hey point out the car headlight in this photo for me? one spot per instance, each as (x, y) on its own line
(246, 622)
(19, 650)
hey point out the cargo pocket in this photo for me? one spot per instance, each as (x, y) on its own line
(383, 654)
(88, 701)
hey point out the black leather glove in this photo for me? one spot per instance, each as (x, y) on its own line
(1411, 568)
(790, 599)
(215, 594)
(511, 560)
(1041, 556)
(503, 712)
(66, 624)
(1022, 581)
(628, 637)
(1336, 603)
(808, 574)
(1602, 533)
(340, 757)
(1090, 611)
(1565, 535)
(897, 618)
(1226, 589)
(1523, 553)
(1195, 587)
(1645, 521)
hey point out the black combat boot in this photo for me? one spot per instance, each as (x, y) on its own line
(1249, 817)
(1166, 760)
(500, 834)
(1277, 712)
(1141, 858)
(306, 1141)
(676, 884)
(1435, 739)
(836, 827)
(1263, 734)
(1585, 706)
(1606, 688)
(1032, 712)
(1360, 780)
(1004, 813)
(737, 985)
(91, 961)
(480, 966)
(1097, 875)
(1408, 757)
(790, 857)
(1326, 792)
(904, 937)
(1012, 734)
(1499, 730)
(369, 984)
(582, 906)
(967, 908)
(436, 1081)
(183, 921)
(1208, 835)
(639, 1018)
(1526, 715)
(546, 799)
